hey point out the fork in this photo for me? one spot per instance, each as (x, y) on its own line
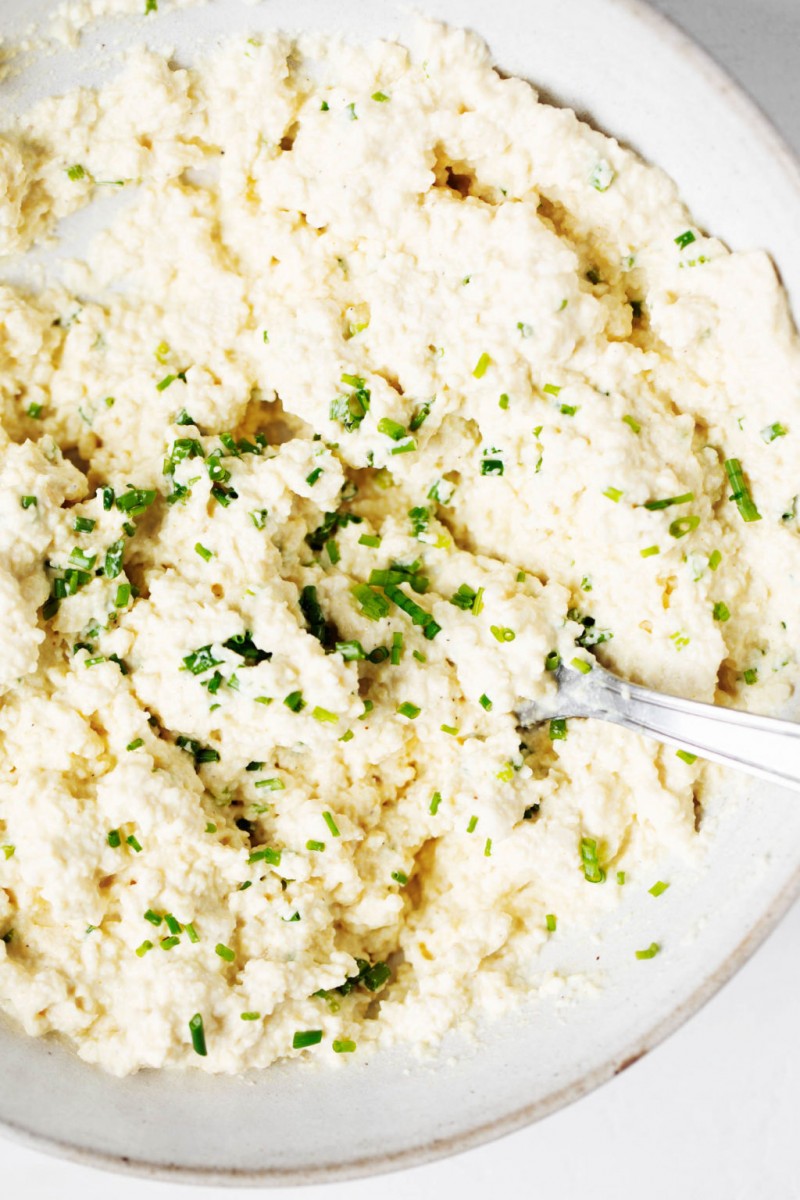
(764, 746)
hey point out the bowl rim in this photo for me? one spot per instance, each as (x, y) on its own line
(748, 110)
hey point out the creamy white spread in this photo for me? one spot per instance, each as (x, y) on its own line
(348, 428)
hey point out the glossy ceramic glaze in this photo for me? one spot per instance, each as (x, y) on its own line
(636, 77)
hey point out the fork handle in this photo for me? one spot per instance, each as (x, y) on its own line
(762, 746)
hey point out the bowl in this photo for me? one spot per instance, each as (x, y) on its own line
(634, 75)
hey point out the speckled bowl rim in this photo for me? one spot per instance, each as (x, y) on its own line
(749, 111)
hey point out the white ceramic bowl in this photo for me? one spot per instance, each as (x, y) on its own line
(637, 77)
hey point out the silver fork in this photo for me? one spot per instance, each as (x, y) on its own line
(763, 746)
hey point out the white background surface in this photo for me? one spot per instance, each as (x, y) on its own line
(712, 1114)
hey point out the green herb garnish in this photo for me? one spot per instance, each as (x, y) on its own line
(592, 871)
(196, 1028)
(741, 492)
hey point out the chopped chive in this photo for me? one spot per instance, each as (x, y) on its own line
(324, 716)
(685, 239)
(552, 661)
(592, 871)
(721, 611)
(343, 1045)
(329, 821)
(770, 432)
(407, 709)
(134, 843)
(76, 172)
(83, 524)
(750, 675)
(380, 97)
(267, 855)
(205, 554)
(250, 1016)
(632, 423)
(397, 649)
(295, 701)
(135, 744)
(314, 476)
(420, 416)
(558, 729)
(307, 1037)
(153, 917)
(392, 429)
(369, 539)
(551, 921)
(436, 800)
(198, 1035)
(373, 605)
(649, 551)
(315, 846)
(686, 756)
(123, 595)
(419, 616)
(485, 702)
(714, 559)
(481, 366)
(272, 785)
(683, 525)
(112, 565)
(503, 401)
(613, 494)
(473, 823)
(741, 492)
(351, 651)
(35, 411)
(142, 950)
(502, 633)
(487, 849)
(113, 838)
(84, 562)
(451, 729)
(191, 933)
(172, 924)
(658, 888)
(400, 877)
(621, 878)
(651, 951)
(654, 505)
(224, 952)
(580, 664)
(169, 942)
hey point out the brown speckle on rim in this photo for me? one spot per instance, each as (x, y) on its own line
(628, 1062)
